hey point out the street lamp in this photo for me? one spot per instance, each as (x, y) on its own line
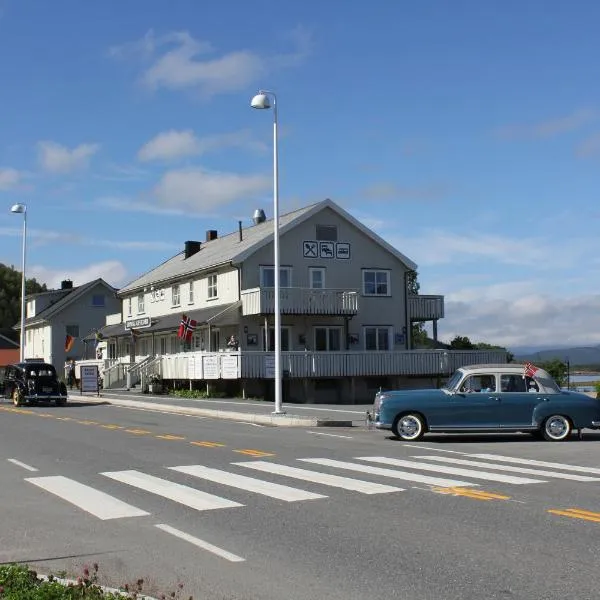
(22, 209)
(262, 101)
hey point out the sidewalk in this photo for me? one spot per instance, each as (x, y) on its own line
(235, 409)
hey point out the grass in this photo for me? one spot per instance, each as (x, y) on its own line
(19, 582)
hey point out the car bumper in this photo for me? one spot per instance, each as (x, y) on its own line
(595, 425)
(42, 397)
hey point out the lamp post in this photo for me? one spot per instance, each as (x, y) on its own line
(262, 101)
(22, 209)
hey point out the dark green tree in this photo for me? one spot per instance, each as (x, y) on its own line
(510, 357)
(10, 295)
(417, 333)
(557, 369)
(461, 343)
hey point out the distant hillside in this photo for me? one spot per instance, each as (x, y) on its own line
(581, 356)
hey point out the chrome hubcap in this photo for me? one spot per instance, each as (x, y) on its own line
(556, 427)
(409, 427)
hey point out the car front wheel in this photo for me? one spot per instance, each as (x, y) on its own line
(17, 397)
(556, 428)
(409, 427)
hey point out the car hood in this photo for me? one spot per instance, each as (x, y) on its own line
(416, 394)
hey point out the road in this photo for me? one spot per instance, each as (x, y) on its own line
(239, 511)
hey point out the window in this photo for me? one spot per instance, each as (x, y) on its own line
(73, 330)
(316, 277)
(212, 286)
(518, 383)
(128, 307)
(98, 300)
(377, 338)
(285, 339)
(191, 293)
(328, 339)
(326, 233)
(479, 383)
(140, 300)
(376, 283)
(175, 295)
(267, 277)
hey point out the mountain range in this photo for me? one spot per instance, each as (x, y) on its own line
(580, 355)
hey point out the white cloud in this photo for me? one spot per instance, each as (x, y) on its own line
(9, 178)
(199, 189)
(112, 271)
(549, 127)
(178, 61)
(173, 144)
(55, 158)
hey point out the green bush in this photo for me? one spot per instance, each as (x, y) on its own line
(198, 394)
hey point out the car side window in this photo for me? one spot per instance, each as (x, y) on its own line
(512, 383)
(532, 385)
(479, 383)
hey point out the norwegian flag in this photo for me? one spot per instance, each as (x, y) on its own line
(530, 370)
(186, 328)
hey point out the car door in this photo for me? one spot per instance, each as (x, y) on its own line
(474, 406)
(517, 401)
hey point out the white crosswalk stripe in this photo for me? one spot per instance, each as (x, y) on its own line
(87, 498)
(487, 475)
(405, 475)
(176, 492)
(347, 483)
(249, 484)
(537, 463)
(477, 463)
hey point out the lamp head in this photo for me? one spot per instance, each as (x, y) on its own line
(18, 208)
(261, 100)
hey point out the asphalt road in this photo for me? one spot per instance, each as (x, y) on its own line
(450, 517)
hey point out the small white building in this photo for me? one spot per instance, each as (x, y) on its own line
(346, 313)
(69, 311)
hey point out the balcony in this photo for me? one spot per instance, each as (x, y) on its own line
(300, 301)
(425, 308)
(259, 365)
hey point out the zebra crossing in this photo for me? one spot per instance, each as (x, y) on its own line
(457, 471)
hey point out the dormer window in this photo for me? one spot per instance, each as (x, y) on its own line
(326, 233)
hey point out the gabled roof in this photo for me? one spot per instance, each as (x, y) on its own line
(70, 296)
(229, 249)
(7, 344)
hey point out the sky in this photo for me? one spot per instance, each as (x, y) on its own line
(465, 133)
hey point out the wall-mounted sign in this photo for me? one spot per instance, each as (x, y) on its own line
(138, 323)
(157, 295)
(334, 250)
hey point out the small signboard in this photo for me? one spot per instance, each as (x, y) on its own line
(89, 379)
(326, 250)
(269, 366)
(230, 366)
(195, 367)
(342, 250)
(138, 323)
(310, 249)
(211, 367)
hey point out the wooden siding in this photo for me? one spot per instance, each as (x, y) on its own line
(426, 308)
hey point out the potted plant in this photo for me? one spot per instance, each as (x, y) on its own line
(155, 384)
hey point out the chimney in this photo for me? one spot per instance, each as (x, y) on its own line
(66, 284)
(191, 247)
(240, 230)
(259, 216)
(211, 234)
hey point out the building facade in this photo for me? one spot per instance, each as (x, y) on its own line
(346, 312)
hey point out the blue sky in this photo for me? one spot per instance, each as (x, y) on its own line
(466, 133)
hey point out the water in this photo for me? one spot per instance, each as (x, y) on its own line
(581, 383)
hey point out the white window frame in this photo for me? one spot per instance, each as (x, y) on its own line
(212, 291)
(377, 272)
(378, 328)
(311, 281)
(191, 293)
(175, 295)
(140, 304)
(328, 328)
(129, 306)
(270, 268)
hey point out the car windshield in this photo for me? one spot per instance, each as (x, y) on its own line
(44, 371)
(451, 384)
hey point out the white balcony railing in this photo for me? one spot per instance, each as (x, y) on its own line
(300, 301)
(425, 308)
(259, 365)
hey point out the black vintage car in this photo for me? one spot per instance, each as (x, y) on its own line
(31, 382)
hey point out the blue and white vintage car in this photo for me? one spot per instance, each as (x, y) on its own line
(488, 398)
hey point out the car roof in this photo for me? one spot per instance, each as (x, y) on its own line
(32, 365)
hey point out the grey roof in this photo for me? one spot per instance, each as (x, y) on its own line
(68, 296)
(229, 248)
(222, 314)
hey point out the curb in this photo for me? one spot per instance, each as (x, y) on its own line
(284, 420)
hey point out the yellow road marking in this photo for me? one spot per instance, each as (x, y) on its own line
(208, 444)
(88, 422)
(576, 513)
(64, 418)
(469, 493)
(170, 437)
(47, 415)
(256, 453)
(137, 431)
(108, 426)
